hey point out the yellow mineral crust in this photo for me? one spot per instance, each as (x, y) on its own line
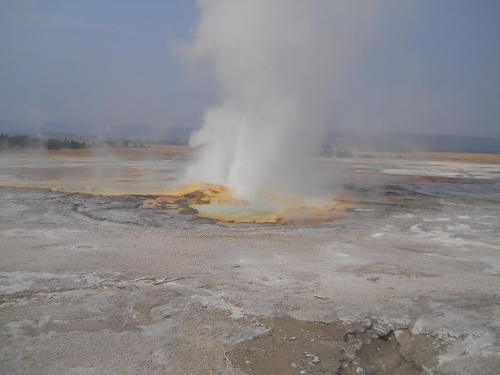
(217, 202)
(205, 193)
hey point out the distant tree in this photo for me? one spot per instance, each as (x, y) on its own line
(19, 142)
(59, 144)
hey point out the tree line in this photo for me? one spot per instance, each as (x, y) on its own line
(23, 142)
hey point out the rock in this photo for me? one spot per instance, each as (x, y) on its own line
(314, 360)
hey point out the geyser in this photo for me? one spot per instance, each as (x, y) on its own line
(275, 64)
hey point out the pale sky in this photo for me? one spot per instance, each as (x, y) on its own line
(432, 67)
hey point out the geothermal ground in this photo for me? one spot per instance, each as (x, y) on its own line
(102, 273)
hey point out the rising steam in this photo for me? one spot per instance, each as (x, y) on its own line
(278, 67)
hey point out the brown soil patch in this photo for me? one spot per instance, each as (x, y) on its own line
(317, 348)
(464, 157)
(434, 156)
(131, 153)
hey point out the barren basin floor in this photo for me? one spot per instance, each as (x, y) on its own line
(109, 285)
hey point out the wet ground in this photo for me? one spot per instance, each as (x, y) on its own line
(404, 281)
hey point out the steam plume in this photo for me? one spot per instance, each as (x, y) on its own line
(278, 65)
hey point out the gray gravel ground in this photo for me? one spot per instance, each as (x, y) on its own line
(403, 288)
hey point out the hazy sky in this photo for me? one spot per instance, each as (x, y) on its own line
(417, 67)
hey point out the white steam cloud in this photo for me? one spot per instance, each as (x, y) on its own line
(279, 67)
